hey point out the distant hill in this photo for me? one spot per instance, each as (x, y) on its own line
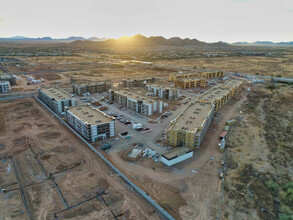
(139, 41)
(96, 39)
(22, 38)
(265, 43)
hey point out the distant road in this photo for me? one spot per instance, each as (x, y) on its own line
(3, 69)
(46, 71)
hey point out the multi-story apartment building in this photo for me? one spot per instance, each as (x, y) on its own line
(175, 76)
(137, 82)
(8, 77)
(188, 128)
(91, 123)
(234, 84)
(205, 74)
(4, 86)
(164, 91)
(190, 82)
(98, 87)
(216, 96)
(211, 74)
(144, 105)
(56, 98)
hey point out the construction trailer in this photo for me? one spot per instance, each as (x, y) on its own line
(176, 155)
(91, 123)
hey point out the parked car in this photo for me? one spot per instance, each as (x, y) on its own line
(106, 146)
(124, 133)
(127, 122)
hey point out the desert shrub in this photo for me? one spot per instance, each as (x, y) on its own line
(287, 193)
(273, 186)
(271, 87)
(285, 213)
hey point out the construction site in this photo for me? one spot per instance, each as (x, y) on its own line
(103, 136)
(48, 173)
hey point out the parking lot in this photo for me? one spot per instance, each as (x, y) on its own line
(152, 129)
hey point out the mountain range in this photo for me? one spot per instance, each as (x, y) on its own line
(69, 39)
(265, 43)
(138, 41)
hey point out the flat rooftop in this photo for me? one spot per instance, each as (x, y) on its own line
(187, 74)
(190, 79)
(163, 86)
(176, 152)
(232, 83)
(215, 93)
(88, 114)
(135, 96)
(93, 84)
(193, 116)
(140, 78)
(56, 93)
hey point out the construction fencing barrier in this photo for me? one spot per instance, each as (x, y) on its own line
(165, 214)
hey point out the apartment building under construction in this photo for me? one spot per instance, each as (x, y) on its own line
(204, 74)
(217, 96)
(211, 74)
(144, 105)
(56, 98)
(188, 128)
(91, 123)
(191, 82)
(234, 84)
(98, 87)
(164, 91)
(137, 82)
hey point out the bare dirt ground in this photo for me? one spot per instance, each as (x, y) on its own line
(272, 66)
(187, 190)
(259, 157)
(45, 153)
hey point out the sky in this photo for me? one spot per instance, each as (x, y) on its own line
(205, 20)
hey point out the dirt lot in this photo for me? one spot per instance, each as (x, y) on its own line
(47, 157)
(259, 158)
(187, 190)
(272, 66)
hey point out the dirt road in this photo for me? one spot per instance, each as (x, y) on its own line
(187, 190)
